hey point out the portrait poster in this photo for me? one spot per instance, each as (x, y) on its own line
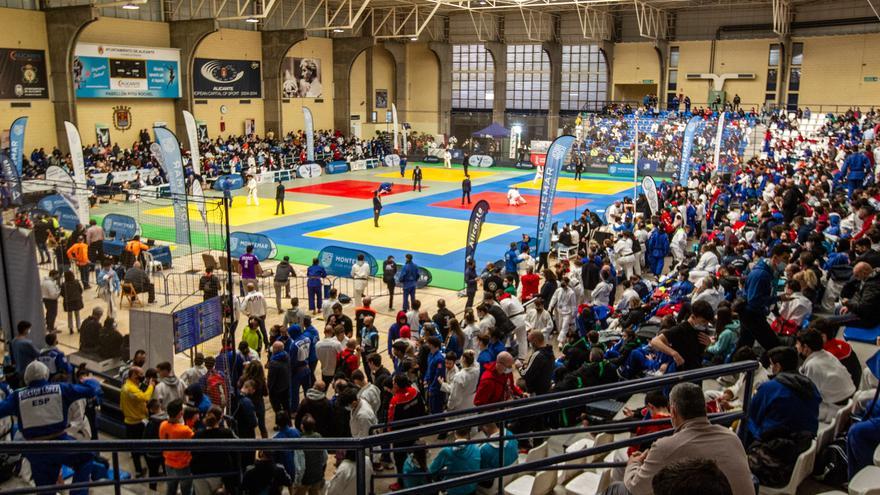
(301, 78)
(381, 98)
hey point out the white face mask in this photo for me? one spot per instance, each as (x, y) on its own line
(507, 371)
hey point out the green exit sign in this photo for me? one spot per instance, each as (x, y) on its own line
(871, 78)
(647, 81)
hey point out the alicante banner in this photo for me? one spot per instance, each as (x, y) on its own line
(555, 156)
(13, 180)
(74, 143)
(23, 74)
(475, 227)
(193, 137)
(213, 78)
(113, 71)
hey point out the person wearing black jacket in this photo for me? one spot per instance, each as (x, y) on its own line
(318, 407)
(389, 270)
(278, 380)
(90, 332)
(377, 208)
(245, 415)
(279, 197)
(550, 285)
(151, 432)
(209, 284)
(219, 461)
(502, 322)
(590, 272)
(538, 370)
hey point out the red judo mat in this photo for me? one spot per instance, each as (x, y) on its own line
(357, 189)
(498, 204)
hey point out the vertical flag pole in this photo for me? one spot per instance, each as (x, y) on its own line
(636, 162)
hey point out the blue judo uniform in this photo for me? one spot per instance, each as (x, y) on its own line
(658, 248)
(436, 370)
(300, 374)
(409, 277)
(854, 170)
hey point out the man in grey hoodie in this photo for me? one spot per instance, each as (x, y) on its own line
(283, 272)
(169, 387)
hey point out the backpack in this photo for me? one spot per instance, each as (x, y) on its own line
(302, 350)
(832, 465)
(216, 389)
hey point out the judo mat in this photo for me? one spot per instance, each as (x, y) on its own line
(866, 335)
(498, 204)
(241, 213)
(585, 186)
(405, 231)
(439, 174)
(356, 189)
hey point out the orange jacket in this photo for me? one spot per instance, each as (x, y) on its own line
(178, 459)
(135, 247)
(79, 252)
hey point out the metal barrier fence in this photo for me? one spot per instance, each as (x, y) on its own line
(431, 425)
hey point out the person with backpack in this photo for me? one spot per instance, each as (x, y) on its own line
(406, 403)
(214, 384)
(369, 343)
(310, 479)
(300, 373)
(348, 359)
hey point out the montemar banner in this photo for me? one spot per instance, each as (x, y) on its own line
(16, 142)
(13, 180)
(555, 156)
(686, 149)
(649, 187)
(79, 172)
(114, 71)
(167, 151)
(310, 134)
(193, 137)
(475, 227)
(213, 78)
(718, 135)
(23, 74)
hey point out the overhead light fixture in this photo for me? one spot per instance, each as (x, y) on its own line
(252, 20)
(482, 2)
(131, 6)
(338, 30)
(414, 38)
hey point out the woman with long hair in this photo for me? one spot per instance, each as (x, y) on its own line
(455, 338)
(71, 291)
(254, 371)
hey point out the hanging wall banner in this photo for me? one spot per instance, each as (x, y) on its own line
(23, 74)
(79, 172)
(649, 187)
(112, 71)
(555, 156)
(167, 151)
(13, 180)
(16, 142)
(310, 134)
(193, 138)
(396, 146)
(475, 226)
(214, 78)
(686, 149)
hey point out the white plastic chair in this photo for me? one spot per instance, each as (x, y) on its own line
(565, 252)
(827, 431)
(802, 468)
(567, 474)
(589, 483)
(866, 482)
(542, 484)
(877, 456)
(602, 439)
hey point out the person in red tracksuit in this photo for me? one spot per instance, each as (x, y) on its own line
(406, 403)
(497, 384)
(348, 360)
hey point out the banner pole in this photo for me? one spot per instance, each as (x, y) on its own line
(636, 162)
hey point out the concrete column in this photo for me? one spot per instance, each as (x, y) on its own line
(444, 60)
(398, 53)
(275, 45)
(607, 48)
(63, 27)
(186, 36)
(784, 66)
(345, 51)
(368, 83)
(499, 54)
(554, 50)
(662, 48)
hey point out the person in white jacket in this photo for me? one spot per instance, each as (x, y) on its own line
(461, 389)
(362, 415)
(344, 480)
(794, 306)
(194, 374)
(827, 373)
(564, 305)
(252, 191)
(706, 265)
(539, 320)
(168, 387)
(678, 245)
(360, 272)
(708, 291)
(367, 391)
(515, 311)
(601, 294)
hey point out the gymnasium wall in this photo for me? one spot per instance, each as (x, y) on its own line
(322, 112)
(230, 44)
(730, 56)
(144, 112)
(835, 68)
(382, 73)
(26, 29)
(423, 88)
(635, 65)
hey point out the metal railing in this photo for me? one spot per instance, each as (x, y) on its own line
(434, 424)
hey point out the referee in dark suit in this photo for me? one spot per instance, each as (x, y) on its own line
(377, 207)
(466, 189)
(279, 197)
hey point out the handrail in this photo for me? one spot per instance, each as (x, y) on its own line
(550, 403)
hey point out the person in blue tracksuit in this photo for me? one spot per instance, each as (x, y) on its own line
(760, 289)
(409, 276)
(300, 374)
(41, 408)
(862, 440)
(312, 333)
(855, 167)
(658, 248)
(511, 259)
(315, 276)
(458, 459)
(286, 431)
(54, 359)
(402, 166)
(434, 375)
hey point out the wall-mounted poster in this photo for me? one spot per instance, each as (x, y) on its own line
(111, 71)
(214, 78)
(381, 98)
(102, 134)
(23, 74)
(302, 78)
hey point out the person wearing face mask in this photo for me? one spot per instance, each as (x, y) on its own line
(564, 304)
(686, 343)
(760, 295)
(133, 403)
(496, 383)
(538, 369)
(360, 272)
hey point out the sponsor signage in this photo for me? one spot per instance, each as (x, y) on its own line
(309, 170)
(621, 170)
(482, 161)
(229, 182)
(264, 247)
(115, 71)
(337, 261)
(214, 78)
(23, 74)
(392, 160)
(125, 226)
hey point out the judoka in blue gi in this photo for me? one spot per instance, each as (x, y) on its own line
(658, 248)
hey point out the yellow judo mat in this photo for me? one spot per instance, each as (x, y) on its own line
(440, 174)
(584, 186)
(399, 231)
(240, 213)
